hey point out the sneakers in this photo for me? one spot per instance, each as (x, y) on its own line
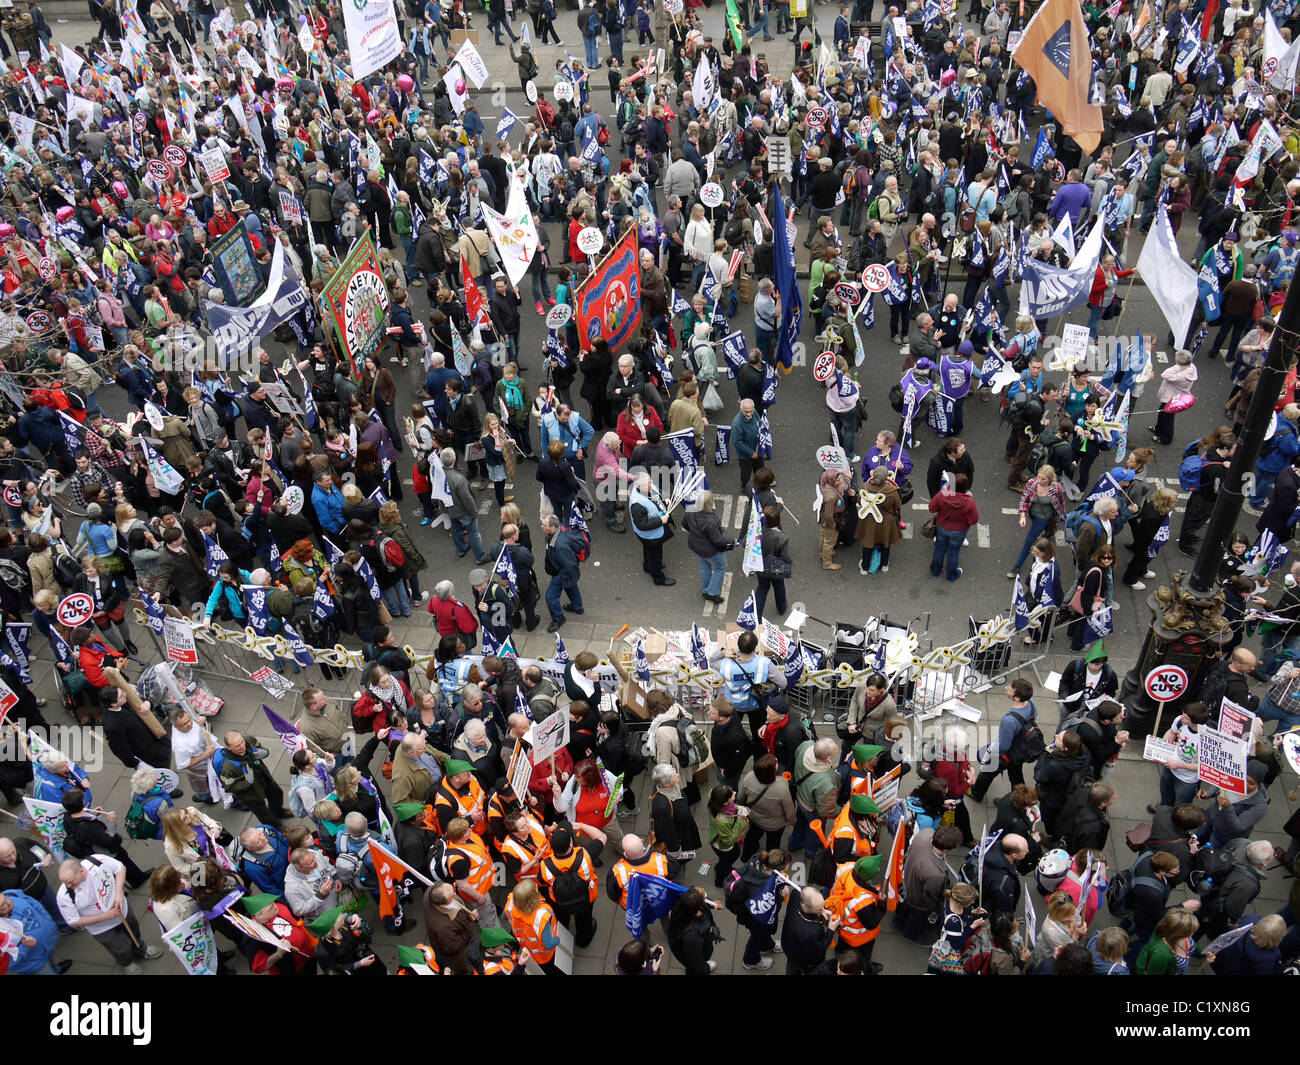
(424, 598)
(762, 965)
(884, 569)
(1149, 573)
(550, 300)
(1011, 576)
(540, 309)
(133, 970)
(863, 570)
(713, 965)
(1138, 586)
(152, 953)
(955, 576)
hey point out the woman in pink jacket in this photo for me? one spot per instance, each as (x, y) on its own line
(608, 473)
(1175, 383)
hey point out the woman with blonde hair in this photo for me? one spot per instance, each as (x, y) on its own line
(190, 837)
(533, 923)
(499, 455)
(1062, 926)
(1157, 509)
(1257, 953)
(961, 919)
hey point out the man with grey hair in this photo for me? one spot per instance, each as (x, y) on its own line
(92, 895)
(767, 317)
(311, 884)
(463, 511)
(650, 520)
(1228, 899)
(816, 782)
(1097, 531)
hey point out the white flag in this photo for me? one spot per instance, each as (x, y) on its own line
(72, 64)
(472, 64)
(516, 241)
(1279, 64)
(1063, 234)
(24, 126)
(1171, 281)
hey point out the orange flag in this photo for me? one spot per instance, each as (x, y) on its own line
(894, 876)
(1056, 53)
(388, 871)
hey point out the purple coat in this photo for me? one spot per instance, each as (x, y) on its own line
(376, 433)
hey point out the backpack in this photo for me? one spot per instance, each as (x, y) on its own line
(967, 221)
(735, 893)
(14, 576)
(389, 552)
(1037, 456)
(1120, 890)
(850, 181)
(1190, 469)
(569, 892)
(873, 209)
(1028, 744)
(66, 569)
(139, 825)
(581, 544)
(602, 134)
(1074, 523)
(532, 67)
(593, 25)
(1215, 685)
(692, 747)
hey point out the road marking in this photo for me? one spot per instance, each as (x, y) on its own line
(907, 533)
(1162, 356)
(485, 506)
(920, 506)
(739, 522)
(982, 535)
(726, 588)
(725, 518)
(1012, 511)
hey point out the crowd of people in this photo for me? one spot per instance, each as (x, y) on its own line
(268, 496)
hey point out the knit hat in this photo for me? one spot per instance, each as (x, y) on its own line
(1257, 770)
(864, 752)
(455, 765)
(825, 162)
(862, 804)
(965, 348)
(477, 577)
(867, 868)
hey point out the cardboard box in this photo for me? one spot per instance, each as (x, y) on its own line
(459, 37)
(634, 698)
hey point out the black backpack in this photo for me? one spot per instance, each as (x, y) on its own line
(1120, 890)
(569, 892)
(1028, 744)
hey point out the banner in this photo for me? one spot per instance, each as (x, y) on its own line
(1221, 760)
(609, 300)
(355, 303)
(649, 898)
(193, 943)
(1168, 278)
(517, 241)
(165, 476)
(787, 284)
(47, 819)
(1051, 290)
(722, 445)
(374, 39)
(236, 329)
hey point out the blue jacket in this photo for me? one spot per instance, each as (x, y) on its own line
(49, 787)
(267, 871)
(41, 427)
(36, 923)
(1285, 446)
(563, 556)
(234, 597)
(329, 508)
(1012, 722)
(436, 383)
(577, 434)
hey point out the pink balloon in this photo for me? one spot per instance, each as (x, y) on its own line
(460, 86)
(405, 82)
(1180, 403)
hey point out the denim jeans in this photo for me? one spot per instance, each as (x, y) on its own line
(765, 341)
(1036, 528)
(541, 291)
(1270, 711)
(553, 591)
(846, 425)
(711, 571)
(758, 942)
(468, 525)
(591, 44)
(1271, 659)
(1175, 792)
(762, 24)
(616, 46)
(1264, 481)
(947, 545)
(1094, 318)
(397, 600)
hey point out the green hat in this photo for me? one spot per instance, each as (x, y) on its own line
(411, 956)
(324, 922)
(495, 937)
(862, 804)
(864, 752)
(455, 765)
(255, 904)
(1096, 651)
(406, 810)
(868, 867)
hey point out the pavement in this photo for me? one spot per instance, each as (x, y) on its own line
(616, 592)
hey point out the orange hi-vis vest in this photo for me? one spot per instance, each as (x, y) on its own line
(526, 850)
(553, 866)
(860, 781)
(654, 864)
(471, 800)
(530, 928)
(480, 862)
(845, 829)
(505, 965)
(429, 960)
(846, 899)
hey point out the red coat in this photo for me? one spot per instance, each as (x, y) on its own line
(369, 710)
(630, 435)
(452, 617)
(1099, 285)
(91, 661)
(575, 253)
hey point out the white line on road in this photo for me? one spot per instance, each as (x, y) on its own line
(485, 506)
(739, 522)
(726, 587)
(982, 535)
(725, 519)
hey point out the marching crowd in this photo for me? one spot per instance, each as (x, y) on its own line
(269, 498)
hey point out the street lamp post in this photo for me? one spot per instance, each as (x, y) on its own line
(1187, 627)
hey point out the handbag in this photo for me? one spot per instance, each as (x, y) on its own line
(944, 960)
(930, 528)
(777, 569)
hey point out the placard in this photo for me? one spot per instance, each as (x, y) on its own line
(1157, 750)
(179, 638)
(824, 366)
(1235, 720)
(175, 155)
(817, 117)
(215, 165)
(564, 90)
(8, 700)
(521, 772)
(876, 277)
(159, 170)
(830, 457)
(558, 316)
(75, 609)
(711, 194)
(1074, 344)
(848, 293)
(884, 792)
(1166, 683)
(550, 735)
(1222, 760)
(590, 240)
